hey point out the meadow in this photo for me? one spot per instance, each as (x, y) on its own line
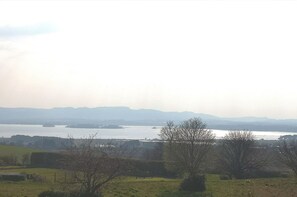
(54, 179)
(6, 150)
(153, 186)
(16, 151)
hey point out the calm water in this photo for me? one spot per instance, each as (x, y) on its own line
(128, 132)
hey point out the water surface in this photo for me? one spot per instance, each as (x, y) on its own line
(128, 132)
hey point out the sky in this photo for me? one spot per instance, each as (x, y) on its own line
(225, 58)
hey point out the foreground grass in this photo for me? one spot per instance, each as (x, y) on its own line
(51, 179)
(151, 187)
(278, 187)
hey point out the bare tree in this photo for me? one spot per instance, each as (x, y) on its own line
(187, 145)
(26, 159)
(238, 154)
(288, 154)
(92, 165)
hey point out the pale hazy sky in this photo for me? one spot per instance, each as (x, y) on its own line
(226, 58)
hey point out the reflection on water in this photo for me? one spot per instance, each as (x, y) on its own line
(128, 132)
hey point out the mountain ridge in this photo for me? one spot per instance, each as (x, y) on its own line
(125, 115)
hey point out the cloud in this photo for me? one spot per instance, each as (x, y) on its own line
(28, 30)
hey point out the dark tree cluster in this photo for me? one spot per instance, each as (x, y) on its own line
(238, 155)
(288, 154)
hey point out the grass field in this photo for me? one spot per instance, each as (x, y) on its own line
(277, 187)
(17, 151)
(150, 187)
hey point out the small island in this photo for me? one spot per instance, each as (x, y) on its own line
(48, 125)
(111, 126)
(94, 126)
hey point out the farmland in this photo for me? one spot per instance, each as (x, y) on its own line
(153, 186)
(7, 150)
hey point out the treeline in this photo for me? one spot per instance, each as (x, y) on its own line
(57, 143)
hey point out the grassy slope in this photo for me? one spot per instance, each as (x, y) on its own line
(151, 187)
(15, 150)
(278, 187)
(18, 151)
(30, 188)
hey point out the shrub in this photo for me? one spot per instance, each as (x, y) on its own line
(137, 167)
(266, 174)
(193, 184)
(47, 159)
(37, 178)
(224, 177)
(147, 169)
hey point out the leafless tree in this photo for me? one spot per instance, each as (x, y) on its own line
(187, 145)
(288, 154)
(238, 154)
(26, 159)
(92, 165)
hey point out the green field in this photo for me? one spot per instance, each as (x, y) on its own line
(16, 152)
(7, 150)
(140, 187)
(149, 187)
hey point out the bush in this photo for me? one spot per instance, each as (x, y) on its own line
(37, 178)
(147, 169)
(266, 174)
(47, 159)
(225, 177)
(193, 184)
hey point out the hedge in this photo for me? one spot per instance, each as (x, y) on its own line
(135, 167)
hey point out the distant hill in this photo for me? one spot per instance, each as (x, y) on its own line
(127, 116)
(91, 115)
